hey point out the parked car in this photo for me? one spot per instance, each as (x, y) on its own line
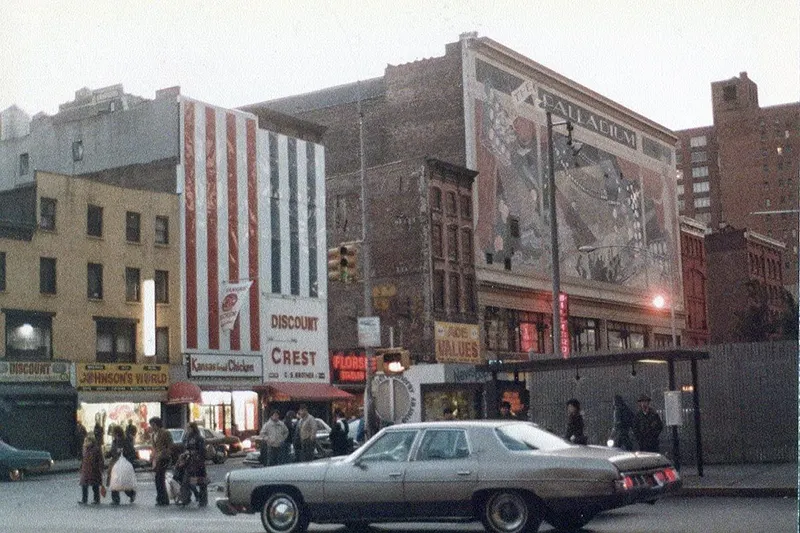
(14, 463)
(233, 445)
(509, 475)
(253, 458)
(216, 447)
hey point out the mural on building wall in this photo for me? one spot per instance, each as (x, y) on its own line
(603, 200)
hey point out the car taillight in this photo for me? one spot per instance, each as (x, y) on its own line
(624, 483)
(660, 477)
(671, 474)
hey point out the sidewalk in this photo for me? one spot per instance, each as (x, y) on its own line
(763, 480)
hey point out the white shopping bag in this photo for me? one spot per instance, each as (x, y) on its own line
(122, 476)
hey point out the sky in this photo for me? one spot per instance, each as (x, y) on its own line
(657, 58)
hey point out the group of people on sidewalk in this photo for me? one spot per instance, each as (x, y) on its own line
(189, 471)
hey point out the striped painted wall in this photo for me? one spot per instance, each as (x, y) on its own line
(252, 207)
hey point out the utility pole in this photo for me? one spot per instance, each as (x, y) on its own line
(554, 252)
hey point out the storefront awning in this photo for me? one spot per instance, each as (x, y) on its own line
(313, 392)
(184, 392)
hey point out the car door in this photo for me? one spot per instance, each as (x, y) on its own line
(440, 479)
(370, 486)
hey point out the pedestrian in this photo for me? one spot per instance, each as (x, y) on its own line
(99, 433)
(623, 422)
(121, 448)
(273, 436)
(130, 431)
(505, 412)
(289, 421)
(647, 426)
(80, 438)
(447, 414)
(162, 455)
(341, 443)
(91, 470)
(574, 432)
(194, 480)
(307, 429)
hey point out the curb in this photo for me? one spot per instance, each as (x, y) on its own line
(738, 492)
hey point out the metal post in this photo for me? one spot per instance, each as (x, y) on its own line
(698, 435)
(676, 450)
(554, 237)
(370, 351)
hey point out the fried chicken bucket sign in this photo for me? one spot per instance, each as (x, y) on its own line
(233, 294)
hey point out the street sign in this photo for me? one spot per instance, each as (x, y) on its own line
(673, 412)
(369, 331)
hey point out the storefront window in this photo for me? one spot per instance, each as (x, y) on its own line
(28, 336)
(464, 402)
(622, 336)
(110, 414)
(509, 330)
(584, 334)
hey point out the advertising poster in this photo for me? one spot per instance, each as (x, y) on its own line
(297, 341)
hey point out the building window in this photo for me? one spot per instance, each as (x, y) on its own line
(2, 271)
(696, 142)
(438, 290)
(495, 326)
(28, 336)
(452, 243)
(94, 221)
(24, 164)
(47, 275)
(699, 172)
(436, 199)
(116, 341)
(469, 294)
(700, 186)
(702, 202)
(626, 336)
(679, 189)
(584, 334)
(513, 227)
(47, 213)
(162, 286)
(132, 285)
(451, 203)
(729, 93)
(466, 207)
(466, 246)
(455, 293)
(678, 158)
(77, 151)
(489, 258)
(162, 230)
(133, 226)
(162, 346)
(94, 281)
(699, 157)
(436, 240)
(681, 204)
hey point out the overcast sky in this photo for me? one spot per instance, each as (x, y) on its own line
(657, 58)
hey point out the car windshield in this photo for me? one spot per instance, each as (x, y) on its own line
(523, 437)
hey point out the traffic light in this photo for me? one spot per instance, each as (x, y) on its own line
(392, 360)
(349, 263)
(335, 263)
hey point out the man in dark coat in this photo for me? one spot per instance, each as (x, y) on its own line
(647, 426)
(574, 432)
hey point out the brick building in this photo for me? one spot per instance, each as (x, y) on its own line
(479, 107)
(745, 271)
(745, 163)
(695, 281)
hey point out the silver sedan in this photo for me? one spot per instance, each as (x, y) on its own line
(509, 475)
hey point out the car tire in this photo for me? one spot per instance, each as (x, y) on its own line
(508, 511)
(283, 512)
(571, 522)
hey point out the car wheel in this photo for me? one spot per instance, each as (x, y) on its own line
(283, 512)
(219, 457)
(510, 512)
(569, 522)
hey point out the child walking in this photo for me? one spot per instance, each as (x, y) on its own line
(91, 470)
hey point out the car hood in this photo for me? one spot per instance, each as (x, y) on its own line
(622, 459)
(310, 471)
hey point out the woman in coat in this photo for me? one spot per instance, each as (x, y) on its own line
(121, 446)
(195, 457)
(91, 469)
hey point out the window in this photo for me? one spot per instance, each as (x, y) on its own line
(116, 341)
(436, 199)
(438, 290)
(47, 275)
(469, 294)
(699, 157)
(436, 240)
(2, 271)
(162, 286)
(162, 346)
(162, 230)
(47, 213)
(626, 336)
(702, 202)
(393, 446)
(584, 334)
(513, 227)
(451, 203)
(441, 444)
(452, 243)
(133, 226)
(699, 172)
(507, 263)
(678, 158)
(489, 258)
(94, 281)
(681, 204)
(696, 142)
(466, 207)
(28, 335)
(24, 164)
(132, 285)
(729, 93)
(94, 221)
(77, 151)
(700, 186)
(466, 246)
(455, 293)
(680, 190)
